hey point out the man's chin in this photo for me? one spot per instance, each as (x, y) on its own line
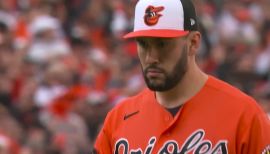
(159, 85)
(156, 87)
(156, 84)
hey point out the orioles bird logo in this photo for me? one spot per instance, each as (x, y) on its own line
(152, 15)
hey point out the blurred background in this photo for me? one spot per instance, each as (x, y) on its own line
(64, 65)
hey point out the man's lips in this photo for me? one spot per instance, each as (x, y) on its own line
(154, 72)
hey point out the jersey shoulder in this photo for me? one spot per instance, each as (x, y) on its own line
(230, 95)
(133, 102)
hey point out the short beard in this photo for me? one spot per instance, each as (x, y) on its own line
(171, 79)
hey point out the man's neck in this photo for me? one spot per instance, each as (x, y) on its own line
(189, 86)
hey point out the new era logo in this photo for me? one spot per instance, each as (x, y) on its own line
(192, 22)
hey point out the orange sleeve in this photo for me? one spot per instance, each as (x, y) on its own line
(259, 135)
(255, 133)
(103, 141)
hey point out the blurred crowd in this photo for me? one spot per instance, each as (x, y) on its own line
(64, 65)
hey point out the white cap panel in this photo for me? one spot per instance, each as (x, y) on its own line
(172, 15)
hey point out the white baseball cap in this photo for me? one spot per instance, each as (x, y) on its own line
(163, 18)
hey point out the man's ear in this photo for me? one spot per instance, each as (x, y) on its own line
(194, 42)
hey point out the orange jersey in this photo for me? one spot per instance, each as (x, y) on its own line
(218, 120)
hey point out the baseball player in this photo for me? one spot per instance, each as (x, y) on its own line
(183, 110)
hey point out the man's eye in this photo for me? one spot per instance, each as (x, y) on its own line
(142, 43)
(161, 44)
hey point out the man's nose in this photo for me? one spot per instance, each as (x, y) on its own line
(152, 56)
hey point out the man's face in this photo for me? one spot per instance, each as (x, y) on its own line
(164, 61)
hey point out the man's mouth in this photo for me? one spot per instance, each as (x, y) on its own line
(154, 72)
